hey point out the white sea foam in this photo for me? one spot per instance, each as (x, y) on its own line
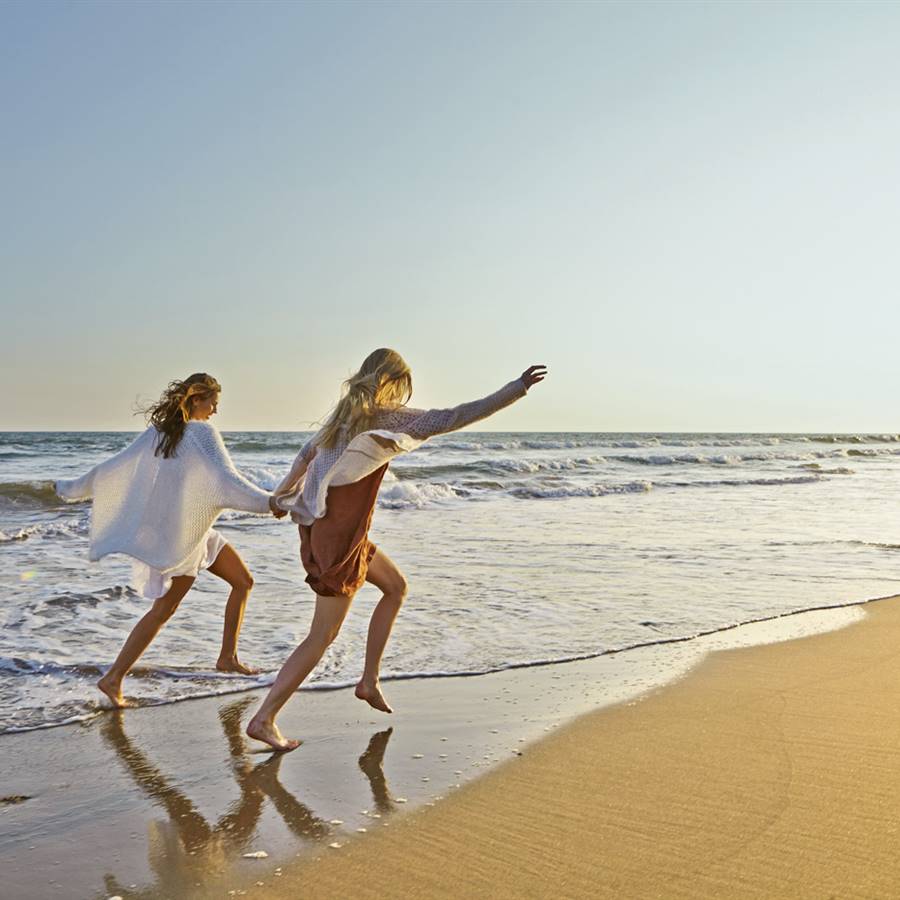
(524, 464)
(65, 529)
(262, 476)
(745, 482)
(409, 495)
(589, 490)
(469, 446)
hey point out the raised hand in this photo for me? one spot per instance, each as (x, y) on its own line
(533, 374)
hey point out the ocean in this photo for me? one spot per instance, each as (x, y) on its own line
(520, 549)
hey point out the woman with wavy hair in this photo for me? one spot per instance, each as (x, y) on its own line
(330, 492)
(156, 502)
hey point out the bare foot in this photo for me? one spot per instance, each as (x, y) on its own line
(233, 664)
(268, 733)
(371, 693)
(113, 690)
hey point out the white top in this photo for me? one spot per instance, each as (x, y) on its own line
(159, 510)
(304, 489)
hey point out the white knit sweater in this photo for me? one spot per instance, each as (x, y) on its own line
(304, 490)
(159, 510)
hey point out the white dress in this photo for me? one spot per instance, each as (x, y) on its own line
(153, 583)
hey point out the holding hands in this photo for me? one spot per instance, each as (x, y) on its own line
(533, 374)
(276, 510)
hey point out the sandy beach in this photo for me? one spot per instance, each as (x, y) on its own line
(770, 771)
(683, 765)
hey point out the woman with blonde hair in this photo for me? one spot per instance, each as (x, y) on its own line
(156, 501)
(330, 492)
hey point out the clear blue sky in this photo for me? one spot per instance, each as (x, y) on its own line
(688, 210)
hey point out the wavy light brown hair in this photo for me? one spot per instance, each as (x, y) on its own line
(173, 411)
(383, 381)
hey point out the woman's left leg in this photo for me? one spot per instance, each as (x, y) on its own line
(384, 574)
(230, 567)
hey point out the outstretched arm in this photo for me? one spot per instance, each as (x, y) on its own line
(82, 488)
(233, 491)
(422, 423)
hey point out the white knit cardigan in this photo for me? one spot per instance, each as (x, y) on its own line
(159, 510)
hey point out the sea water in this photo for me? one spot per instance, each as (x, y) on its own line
(519, 549)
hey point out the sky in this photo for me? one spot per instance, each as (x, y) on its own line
(688, 211)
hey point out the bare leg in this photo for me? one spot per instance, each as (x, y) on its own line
(141, 637)
(384, 574)
(230, 568)
(326, 623)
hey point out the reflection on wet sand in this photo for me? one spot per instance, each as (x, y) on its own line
(187, 850)
(372, 765)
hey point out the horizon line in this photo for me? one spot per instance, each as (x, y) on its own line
(871, 431)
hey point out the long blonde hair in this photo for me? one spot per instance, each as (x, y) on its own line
(173, 410)
(383, 381)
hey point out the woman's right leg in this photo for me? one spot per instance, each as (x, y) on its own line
(141, 637)
(326, 623)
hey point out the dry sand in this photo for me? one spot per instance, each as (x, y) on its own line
(772, 771)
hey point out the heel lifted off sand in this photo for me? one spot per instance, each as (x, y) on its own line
(373, 696)
(269, 733)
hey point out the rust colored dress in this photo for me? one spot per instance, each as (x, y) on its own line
(336, 550)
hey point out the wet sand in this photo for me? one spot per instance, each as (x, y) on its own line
(166, 801)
